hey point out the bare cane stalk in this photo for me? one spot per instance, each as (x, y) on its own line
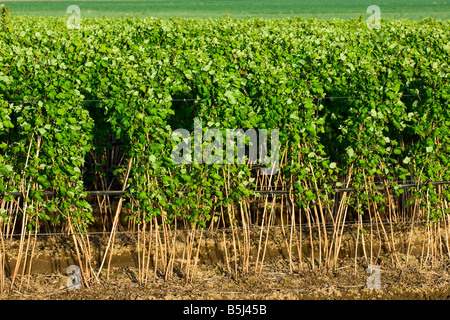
(116, 218)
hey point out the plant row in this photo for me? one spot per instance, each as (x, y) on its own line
(354, 107)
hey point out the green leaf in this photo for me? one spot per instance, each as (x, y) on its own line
(294, 116)
(350, 152)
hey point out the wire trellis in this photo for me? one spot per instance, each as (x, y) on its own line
(418, 94)
(270, 191)
(303, 226)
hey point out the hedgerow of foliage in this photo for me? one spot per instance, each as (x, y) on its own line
(354, 107)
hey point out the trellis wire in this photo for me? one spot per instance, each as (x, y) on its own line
(209, 99)
(257, 191)
(304, 226)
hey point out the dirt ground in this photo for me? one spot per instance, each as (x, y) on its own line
(277, 284)
(48, 280)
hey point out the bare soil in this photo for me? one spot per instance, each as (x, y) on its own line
(344, 283)
(414, 280)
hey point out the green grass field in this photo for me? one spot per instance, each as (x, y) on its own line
(323, 9)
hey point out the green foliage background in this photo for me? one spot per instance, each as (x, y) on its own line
(322, 9)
